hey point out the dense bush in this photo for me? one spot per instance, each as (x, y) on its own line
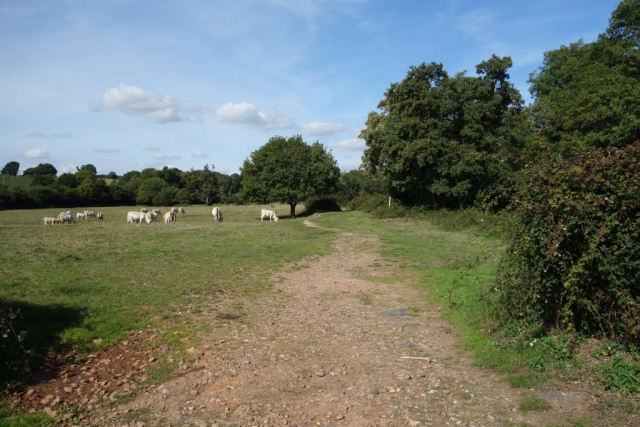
(321, 204)
(574, 261)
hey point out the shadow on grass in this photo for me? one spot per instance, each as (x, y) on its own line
(40, 328)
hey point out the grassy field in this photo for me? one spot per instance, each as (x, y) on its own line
(99, 280)
(16, 181)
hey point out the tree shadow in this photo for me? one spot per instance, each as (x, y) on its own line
(33, 341)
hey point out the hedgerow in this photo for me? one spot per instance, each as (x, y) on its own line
(574, 260)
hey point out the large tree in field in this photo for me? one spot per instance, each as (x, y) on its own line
(41, 169)
(589, 94)
(11, 168)
(288, 170)
(446, 141)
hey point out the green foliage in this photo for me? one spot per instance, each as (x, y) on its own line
(443, 141)
(43, 180)
(68, 180)
(149, 189)
(588, 95)
(41, 169)
(13, 356)
(88, 168)
(11, 168)
(287, 170)
(165, 197)
(621, 375)
(321, 204)
(202, 185)
(574, 260)
(358, 182)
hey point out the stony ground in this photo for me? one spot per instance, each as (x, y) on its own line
(323, 347)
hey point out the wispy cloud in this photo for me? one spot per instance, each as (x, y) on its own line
(107, 150)
(37, 153)
(198, 154)
(162, 156)
(349, 144)
(35, 135)
(317, 129)
(151, 148)
(62, 135)
(245, 113)
(135, 101)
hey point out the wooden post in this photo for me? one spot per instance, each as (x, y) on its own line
(389, 200)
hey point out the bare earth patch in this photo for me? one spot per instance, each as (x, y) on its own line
(327, 348)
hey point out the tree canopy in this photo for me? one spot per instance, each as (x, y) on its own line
(41, 169)
(448, 141)
(288, 170)
(11, 168)
(588, 95)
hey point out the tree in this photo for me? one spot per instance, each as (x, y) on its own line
(41, 169)
(588, 95)
(202, 185)
(112, 175)
(88, 167)
(11, 168)
(165, 197)
(149, 189)
(448, 142)
(287, 170)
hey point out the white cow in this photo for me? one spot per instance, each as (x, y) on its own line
(217, 214)
(174, 210)
(65, 217)
(138, 217)
(157, 211)
(89, 214)
(153, 216)
(169, 217)
(49, 220)
(144, 210)
(80, 215)
(266, 213)
(182, 211)
(100, 216)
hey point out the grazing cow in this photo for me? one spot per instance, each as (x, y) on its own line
(81, 215)
(266, 213)
(182, 211)
(65, 217)
(100, 216)
(138, 217)
(89, 214)
(169, 217)
(153, 216)
(217, 214)
(49, 220)
(144, 210)
(157, 212)
(174, 209)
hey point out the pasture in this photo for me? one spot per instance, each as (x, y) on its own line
(99, 280)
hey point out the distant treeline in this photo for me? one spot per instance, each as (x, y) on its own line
(41, 187)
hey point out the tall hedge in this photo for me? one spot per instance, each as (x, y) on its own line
(574, 261)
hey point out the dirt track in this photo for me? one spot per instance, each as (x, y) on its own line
(326, 348)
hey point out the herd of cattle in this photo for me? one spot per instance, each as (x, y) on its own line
(146, 216)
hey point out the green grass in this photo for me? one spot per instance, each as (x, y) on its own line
(16, 181)
(12, 418)
(100, 280)
(533, 403)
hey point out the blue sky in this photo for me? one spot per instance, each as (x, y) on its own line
(126, 85)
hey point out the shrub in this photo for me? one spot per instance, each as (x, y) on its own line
(574, 260)
(321, 204)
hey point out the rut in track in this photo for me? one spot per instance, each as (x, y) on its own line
(326, 348)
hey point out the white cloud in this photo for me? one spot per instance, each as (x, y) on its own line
(349, 144)
(161, 156)
(150, 148)
(37, 153)
(199, 154)
(67, 169)
(317, 129)
(35, 135)
(245, 113)
(135, 101)
(107, 150)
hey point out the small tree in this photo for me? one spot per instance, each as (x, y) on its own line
(287, 170)
(11, 168)
(42, 169)
(166, 197)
